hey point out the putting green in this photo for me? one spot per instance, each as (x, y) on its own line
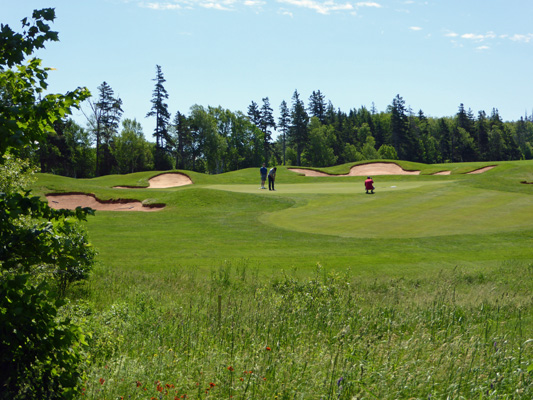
(397, 210)
(326, 187)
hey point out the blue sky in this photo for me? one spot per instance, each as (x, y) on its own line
(436, 54)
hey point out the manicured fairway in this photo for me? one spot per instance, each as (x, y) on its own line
(412, 222)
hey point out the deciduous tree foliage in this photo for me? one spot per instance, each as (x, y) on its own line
(26, 113)
(39, 354)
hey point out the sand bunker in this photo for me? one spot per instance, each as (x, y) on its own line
(167, 180)
(481, 170)
(72, 200)
(442, 173)
(363, 170)
(310, 172)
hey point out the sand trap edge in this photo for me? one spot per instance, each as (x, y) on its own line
(90, 200)
(382, 168)
(163, 181)
(481, 170)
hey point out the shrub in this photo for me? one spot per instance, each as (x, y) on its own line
(40, 356)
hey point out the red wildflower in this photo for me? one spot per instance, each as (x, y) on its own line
(211, 384)
(139, 383)
(242, 379)
(101, 380)
(230, 368)
(268, 348)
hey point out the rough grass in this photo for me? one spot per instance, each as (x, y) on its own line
(231, 334)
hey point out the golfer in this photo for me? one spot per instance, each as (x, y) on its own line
(263, 171)
(271, 178)
(369, 185)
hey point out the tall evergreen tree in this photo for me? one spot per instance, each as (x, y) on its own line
(162, 117)
(182, 139)
(104, 123)
(298, 130)
(317, 106)
(254, 113)
(400, 127)
(482, 131)
(330, 113)
(267, 124)
(284, 125)
(464, 119)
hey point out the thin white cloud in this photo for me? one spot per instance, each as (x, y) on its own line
(254, 3)
(368, 4)
(161, 6)
(479, 37)
(215, 5)
(282, 11)
(472, 36)
(321, 7)
(415, 28)
(224, 5)
(488, 37)
(521, 38)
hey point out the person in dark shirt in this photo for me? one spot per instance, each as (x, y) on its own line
(271, 178)
(263, 171)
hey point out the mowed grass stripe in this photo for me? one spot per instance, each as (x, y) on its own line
(420, 211)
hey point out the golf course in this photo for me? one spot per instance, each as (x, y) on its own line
(316, 290)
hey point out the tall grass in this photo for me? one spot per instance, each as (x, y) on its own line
(233, 334)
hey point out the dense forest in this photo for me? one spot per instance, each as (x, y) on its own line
(216, 140)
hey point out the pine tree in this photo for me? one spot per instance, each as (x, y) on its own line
(267, 122)
(298, 130)
(464, 119)
(482, 130)
(400, 127)
(317, 106)
(254, 114)
(183, 139)
(104, 123)
(162, 117)
(284, 125)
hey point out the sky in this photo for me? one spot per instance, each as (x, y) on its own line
(435, 54)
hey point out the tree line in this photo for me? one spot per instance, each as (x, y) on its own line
(215, 139)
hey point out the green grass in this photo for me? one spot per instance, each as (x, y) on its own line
(410, 224)
(423, 288)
